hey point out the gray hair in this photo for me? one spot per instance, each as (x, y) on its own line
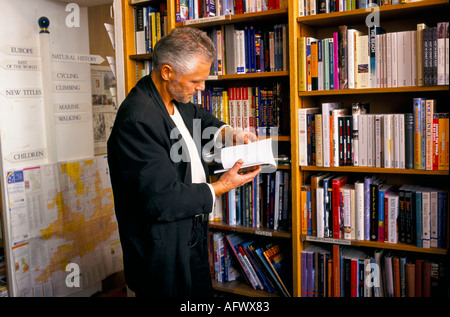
(181, 47)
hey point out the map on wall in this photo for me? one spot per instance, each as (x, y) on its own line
(63, 223)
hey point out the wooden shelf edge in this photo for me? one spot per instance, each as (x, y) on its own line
(248, 75)
(240, 288)
(219, 225)
(378, 170)
(403, 8)
(374, 244)
(373, 90)
(235, 18)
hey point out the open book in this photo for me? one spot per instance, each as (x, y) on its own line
(253, 154)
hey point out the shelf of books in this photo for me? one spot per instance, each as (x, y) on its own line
(372, 135)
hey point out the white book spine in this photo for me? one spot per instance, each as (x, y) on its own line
(351, 58)
(387, 140)
(401, 59)
(301, 8)
(426, 219)
(326, 134)
(401, 124)
(362, 135)
(359, 210)
(408, 56)
(302, 138)
(370, 141)
(389, 60)
(319, 212)
(413, 50)
(446, 54)
(441, 54)
(394, 60)
(434, 219)
(392, 218)
(396, 139)
(378, 140)
(335, 141)
(347, 213)
(379, 55)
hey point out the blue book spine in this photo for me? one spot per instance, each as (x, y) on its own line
(331, 63)
(419, 231)
(308, 209)
(367, 182)
(417, 110)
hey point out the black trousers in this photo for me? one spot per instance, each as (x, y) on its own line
(199, 259)
(200, 276)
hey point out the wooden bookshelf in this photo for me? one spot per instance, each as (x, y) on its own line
(397, 17)
(377, 245)
(389, 12)
(250, 230)
(239, 288)
(236, 18)
(369, 91)
(373, 170)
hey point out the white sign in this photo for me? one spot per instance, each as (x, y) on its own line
(18, 64)
(77, 58)
(21, 92)
(16, 157)
(19, 50)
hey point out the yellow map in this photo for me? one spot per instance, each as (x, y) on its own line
(70, 213)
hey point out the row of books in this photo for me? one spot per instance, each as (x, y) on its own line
(371, 209)
(351, 59)
(341, 271)
(150, 24)
(262, 264)
(249, 49)
(312, 7)
(186, 10)
(331, 136)
(264, 202)
(245, 108)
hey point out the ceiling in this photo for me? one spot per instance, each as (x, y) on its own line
(88, 3)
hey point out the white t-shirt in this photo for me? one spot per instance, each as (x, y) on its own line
(197, 171)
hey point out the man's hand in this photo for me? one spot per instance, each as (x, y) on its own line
(234, 137)
(233, 178)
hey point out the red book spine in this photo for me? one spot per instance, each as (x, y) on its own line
(336, 185)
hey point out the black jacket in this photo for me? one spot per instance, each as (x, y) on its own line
(155, 200)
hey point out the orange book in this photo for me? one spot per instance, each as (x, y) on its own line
(336, 272)
(441, 142)
(396, 270)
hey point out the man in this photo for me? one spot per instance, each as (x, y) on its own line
(159, 179)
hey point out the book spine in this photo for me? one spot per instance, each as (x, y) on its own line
(336, 60)
(429, 111)
(409, 140)
(302, 86)
(343, 56)
(426, 229)
(417, 108)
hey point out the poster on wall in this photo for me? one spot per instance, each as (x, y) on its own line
(104, 105)
(59, 228)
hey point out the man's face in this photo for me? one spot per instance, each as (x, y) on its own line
(183, 87)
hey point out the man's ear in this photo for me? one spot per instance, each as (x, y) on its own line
(166, 71)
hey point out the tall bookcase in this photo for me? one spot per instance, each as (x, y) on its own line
(398, 17)
(393, 18)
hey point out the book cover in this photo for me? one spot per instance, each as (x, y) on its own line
(302, 130)
(418, 103)
(337, 211)
(362, 79)
(302, 66)
(373, 32)
(343, 56)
